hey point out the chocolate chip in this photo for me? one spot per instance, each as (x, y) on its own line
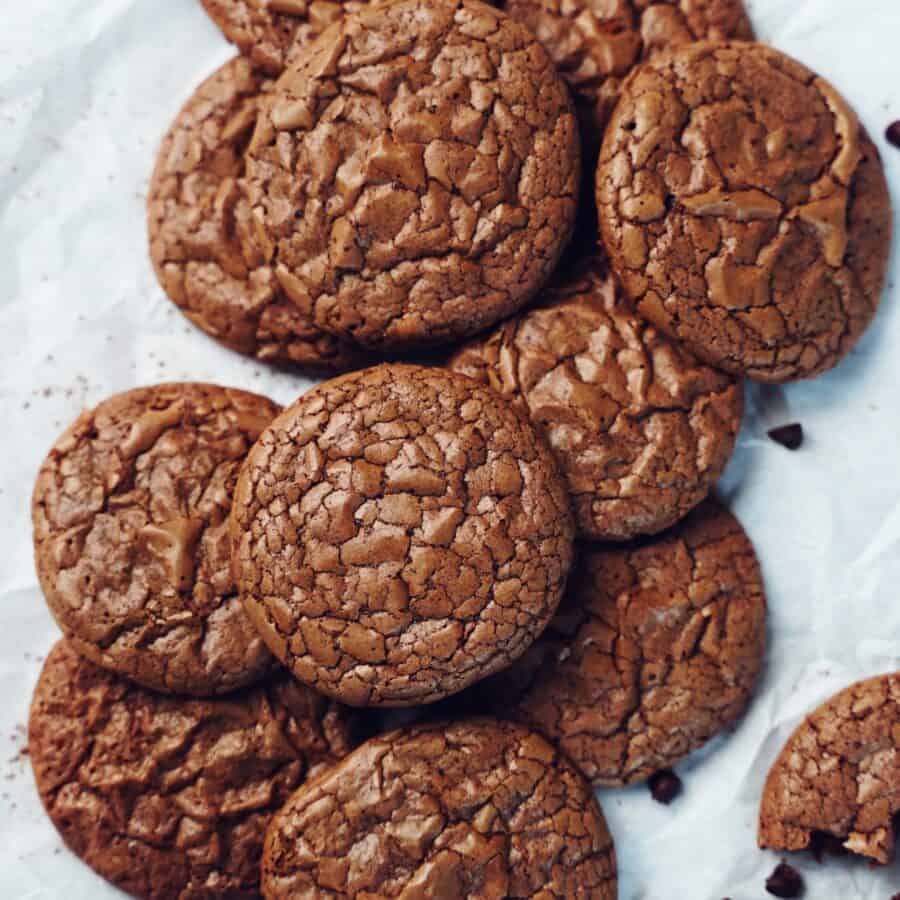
(790, 436)
(785, 881)
(665, 786)
(822, 842)
(892, 133)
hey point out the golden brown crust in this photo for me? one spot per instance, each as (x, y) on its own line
(745, 209)
(416, 172)
(839, 774)
(169, 798)
(478, 809)
(131, 542)
(640, 429)
(655, 649)
(398, 534)
(201, 241)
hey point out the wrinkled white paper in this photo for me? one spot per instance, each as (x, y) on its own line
(87, 88)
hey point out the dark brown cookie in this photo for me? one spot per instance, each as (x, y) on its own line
(417, 172)
(640, 429)
(655, 649)
(596, 43)
(472, 809)
(131, 539)
(745, 209)
(398, 534)
(839, 773)
(201, 235)
(271, 32)
(169, 798)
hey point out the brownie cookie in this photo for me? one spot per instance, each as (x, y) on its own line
(131, 538)
(416, 172)
(201, 233)
(270, 32)
(398, 534)
(839, 774)
(471, 809)
(596, 43)
(656, 648)
(745, 209)
(640, 429)
(166, 797)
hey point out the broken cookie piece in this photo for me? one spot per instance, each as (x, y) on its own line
(839, 773)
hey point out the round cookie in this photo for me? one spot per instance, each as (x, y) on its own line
(476, 808)
(270, 32)
(201, 234)
(398, 534)
(745, 209)
(131, 541)
(640, 429)
(839, 774)
(170, 798)
(656, 648)
(417, 172)
(596, 43)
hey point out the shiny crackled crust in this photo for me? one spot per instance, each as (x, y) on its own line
(201, 241)
(416, 172)
(131, 542)
(655, 649)
(640, 429)
(271, 32)
(166, 797)
(596, 43)
(745, 209)
(839, 773)
(398, 534)
(469, 809)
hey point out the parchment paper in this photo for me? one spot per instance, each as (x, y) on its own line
(87, 88)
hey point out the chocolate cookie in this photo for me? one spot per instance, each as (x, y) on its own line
(839, 774)
(416, 172)
(131, 538)
(745, 209)
(640, 429)
(470, 809)
(271, 32)
(202, 242)
(655, 649)
(596, 43)
(398, 534)
(166, 797)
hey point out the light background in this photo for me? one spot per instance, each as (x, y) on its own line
(87, 88)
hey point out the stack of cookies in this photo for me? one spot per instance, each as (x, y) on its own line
(590, 220)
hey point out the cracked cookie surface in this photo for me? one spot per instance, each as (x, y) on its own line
(640, 429)
(745, 209)
(596, 43)
(202, 243)
(398, 534)
(839, 773)
(271, 32)
(130, 513)
(478, 808)
(655, 649)
(416, 172)
(169, 798)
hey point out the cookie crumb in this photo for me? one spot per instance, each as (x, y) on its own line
(665, 786)
(892, 135)
(790, 436)
(785, 881)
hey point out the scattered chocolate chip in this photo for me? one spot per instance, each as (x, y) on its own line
(822, 842)
(892, 133)
(665, 786)
(785, 881)
(790, 436)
